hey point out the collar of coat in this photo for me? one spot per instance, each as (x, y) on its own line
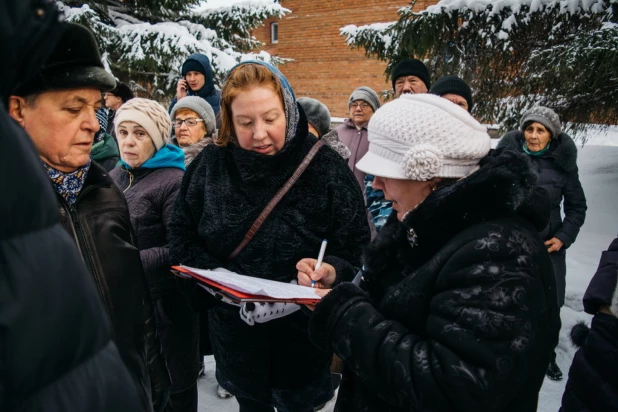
(503, 187)
(562, 149)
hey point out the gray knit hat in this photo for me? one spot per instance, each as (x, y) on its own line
(201, 107)
(150, 115)
(317, 114)
(544, 115)
(365, 94)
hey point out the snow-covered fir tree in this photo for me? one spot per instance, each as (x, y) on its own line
(145, 42)
(514, 53)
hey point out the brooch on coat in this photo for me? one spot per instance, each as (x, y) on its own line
(412, 237)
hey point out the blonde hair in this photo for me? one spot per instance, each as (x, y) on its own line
(243, 78)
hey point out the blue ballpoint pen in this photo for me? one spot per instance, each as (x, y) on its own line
(320, 259)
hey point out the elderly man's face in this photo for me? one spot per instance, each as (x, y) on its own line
(61, 124)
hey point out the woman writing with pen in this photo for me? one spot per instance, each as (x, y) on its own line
(231, 213)
(456, 307)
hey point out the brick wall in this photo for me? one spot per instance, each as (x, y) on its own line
(324, 67)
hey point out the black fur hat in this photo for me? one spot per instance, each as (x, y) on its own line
(75, 62)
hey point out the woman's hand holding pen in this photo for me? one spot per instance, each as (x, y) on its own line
(324, 276)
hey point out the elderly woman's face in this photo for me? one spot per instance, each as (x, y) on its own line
(136, 146)
(259, 121)
(537, 136)
(405, 194)
(61, 125)
(187, 135)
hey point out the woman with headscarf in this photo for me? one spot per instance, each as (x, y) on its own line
(266, 362)
(554, 158)
(149, 176)
(455, 306)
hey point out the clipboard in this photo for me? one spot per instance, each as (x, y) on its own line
(235, 290)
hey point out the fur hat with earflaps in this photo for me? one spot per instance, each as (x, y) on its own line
(74, 63)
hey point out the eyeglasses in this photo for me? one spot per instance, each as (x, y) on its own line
(190, 122)
(355, 106)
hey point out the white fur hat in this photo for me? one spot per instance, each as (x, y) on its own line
(422, 136)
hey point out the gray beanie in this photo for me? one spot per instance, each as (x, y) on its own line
(317, 114)
(544, 115)
(366, 94)
(199, 106)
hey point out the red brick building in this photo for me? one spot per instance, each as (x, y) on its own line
(324, 67)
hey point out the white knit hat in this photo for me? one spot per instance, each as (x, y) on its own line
(150, 115)
(422, 136)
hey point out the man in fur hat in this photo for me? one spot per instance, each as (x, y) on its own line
(57, 109)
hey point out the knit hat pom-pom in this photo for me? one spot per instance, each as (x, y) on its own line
(422, 162)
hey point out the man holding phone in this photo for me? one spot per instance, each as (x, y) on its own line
(197, 80)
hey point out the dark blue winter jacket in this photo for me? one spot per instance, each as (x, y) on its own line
(208, 92)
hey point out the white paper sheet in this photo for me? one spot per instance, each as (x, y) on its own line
(256, 286)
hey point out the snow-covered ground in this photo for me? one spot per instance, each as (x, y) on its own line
(598, 169)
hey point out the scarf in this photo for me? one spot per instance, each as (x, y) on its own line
(68, 185)
(539, 153)
(168, 156)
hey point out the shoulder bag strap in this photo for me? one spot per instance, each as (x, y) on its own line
(273, 202)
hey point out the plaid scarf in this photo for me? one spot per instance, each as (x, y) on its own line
(68, 185)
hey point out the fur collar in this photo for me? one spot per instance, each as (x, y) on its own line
(504, 186)
(563, 149)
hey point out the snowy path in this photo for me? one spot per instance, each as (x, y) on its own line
(598, 167)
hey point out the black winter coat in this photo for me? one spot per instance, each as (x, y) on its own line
(56, 348)
(57, 353)
(459, 312)
(593, 377)
(558, 174)
(150, 195)
(100, 225)
(223, 192)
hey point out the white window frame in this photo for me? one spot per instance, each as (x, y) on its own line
(274, 32)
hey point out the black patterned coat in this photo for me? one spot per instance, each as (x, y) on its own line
(465, 319)
(223, 191)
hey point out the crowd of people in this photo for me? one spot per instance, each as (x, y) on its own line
(440, 289)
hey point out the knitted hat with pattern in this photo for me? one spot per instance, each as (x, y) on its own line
(150, 115)
(544, 115)
(422, 136)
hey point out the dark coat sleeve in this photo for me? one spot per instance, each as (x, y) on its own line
(464, 356)
(350, 233)
(185, 244)
(156, 260)
(593, 376)
(574, 209)
(602, 287)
